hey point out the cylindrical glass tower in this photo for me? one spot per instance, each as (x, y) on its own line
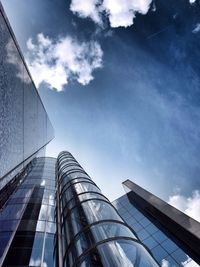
(90, 231)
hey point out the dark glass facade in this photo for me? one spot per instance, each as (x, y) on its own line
(27, 220)
(165, 247)
(24, 124)
(91, 231)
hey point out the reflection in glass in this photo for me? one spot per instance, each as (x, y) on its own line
(125, 253)
(87, 196)
(36, 254)
(48, 251)
(84, 187)
(96, 210)
(109, 229)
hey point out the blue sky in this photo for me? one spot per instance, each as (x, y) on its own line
(122, 89)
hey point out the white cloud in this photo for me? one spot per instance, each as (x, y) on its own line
(56, 62)
(192, 1)
(87, 9)
(165, 263)
(188, 205)
(120, 13)
(196, 28)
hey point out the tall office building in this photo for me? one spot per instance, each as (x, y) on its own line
(25, 128)
(172, 236)
(51, 212)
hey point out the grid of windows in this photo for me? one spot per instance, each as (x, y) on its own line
(162, 247)
(27, 221)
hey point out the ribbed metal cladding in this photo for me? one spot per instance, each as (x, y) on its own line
(91, 231)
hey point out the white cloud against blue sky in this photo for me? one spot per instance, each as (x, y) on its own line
(119, 13)
(55, 62)
(189, 205)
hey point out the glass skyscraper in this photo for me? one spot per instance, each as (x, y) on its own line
(27, 221)
(52, 213)
(172, 236)
(25, 128)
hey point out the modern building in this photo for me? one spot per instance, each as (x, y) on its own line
(27, 221)
(172, 236)
(25, 128)
(51, 212)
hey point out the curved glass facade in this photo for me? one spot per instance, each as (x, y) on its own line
(91, 231)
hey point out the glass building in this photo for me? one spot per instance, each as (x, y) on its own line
(27, 221)
(172, 236)
(25, 128)
(51, 212)
(91, 232)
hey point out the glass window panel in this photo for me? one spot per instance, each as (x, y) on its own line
(126, 216)
(51, 213)
(151, 228)
(159, 236)
(69, 206)
(106, 230)
(69, 168)
(87, 196)
(51, 200)
(22, 193)
(50, 227)
(179, 255)
(77, 174)
(96, 210)
(122, 211)
(83, 242)
(138, 216)
(67, 195)
(48, 251)
(125, 253)
(40, 226)
(143, 234)
(48, 259)
(150, 242)
(169, 245)
(12, 212)
(144, 222)
(159, 253)
(43, 212)
(84, 187)
(136, 227)
(75, 221)
(4, 239)
(169, 262)
(36, 254)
